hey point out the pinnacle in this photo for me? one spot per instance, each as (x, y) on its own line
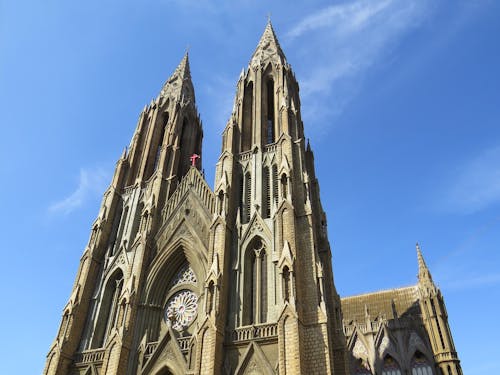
(423, 271)
(268, 47)
(179, 82)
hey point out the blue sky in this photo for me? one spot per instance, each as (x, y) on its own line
(400, 100)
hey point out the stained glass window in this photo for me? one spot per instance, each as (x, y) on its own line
(181, 309)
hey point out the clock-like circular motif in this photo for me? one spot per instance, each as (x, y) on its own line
(181, 309)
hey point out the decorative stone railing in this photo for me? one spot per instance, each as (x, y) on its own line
(271, 147)
(90, 356)
(150, 349)
(258, 331)
(446, 356)
(245, 155)
(192, 180)
(184, 343)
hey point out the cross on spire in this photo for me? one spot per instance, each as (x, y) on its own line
(193, 159)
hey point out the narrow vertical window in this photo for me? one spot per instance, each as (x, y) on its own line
(284, 186)
(108, 309)
(114, 229)
(158, 143)
(242, 198)
(286, 284)
(270, 112)
(248, 196)
(186, 148)
(221, 202)
(266, 193)
(263, 287)
(246, 133)
(120, 231)
(210, 302)
(275, 184)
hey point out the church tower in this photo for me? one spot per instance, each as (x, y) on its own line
(282, 309)
(435, 320)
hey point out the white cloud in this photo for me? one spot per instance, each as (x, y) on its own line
(92, 182)
(341, 42)
(476, 185)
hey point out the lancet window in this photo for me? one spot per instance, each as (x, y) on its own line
(284, 186)
(420, 365)
(108, 310)
(255, 284)
(361, 368)
(266, 193)
(390, 366)
(246, 134)
(286, 284)
(114, 229)
(269, 112)
(275, 184)
(248, 197)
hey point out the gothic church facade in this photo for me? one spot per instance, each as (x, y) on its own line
(178, 278)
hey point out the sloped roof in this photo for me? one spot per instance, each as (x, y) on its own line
(380, 304)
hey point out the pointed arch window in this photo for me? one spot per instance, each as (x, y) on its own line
(187, 147)
(361, 367)
(255, 284)
(160, 142)
(114, 229)
(390, 366)
(220, 202)
(108, 311)
(420, 365)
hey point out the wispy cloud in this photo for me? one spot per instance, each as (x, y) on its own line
(345, 40)
(472, 281)
(475, 185)
(92, 182)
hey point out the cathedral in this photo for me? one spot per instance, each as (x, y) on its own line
(178, 278)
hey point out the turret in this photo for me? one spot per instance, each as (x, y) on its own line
(435, 319)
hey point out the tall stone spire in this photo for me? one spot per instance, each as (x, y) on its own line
(268, 48)
(423, 271)
(179, 86)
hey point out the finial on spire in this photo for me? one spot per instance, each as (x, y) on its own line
(268, 17)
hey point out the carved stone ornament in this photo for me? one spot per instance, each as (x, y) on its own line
(359, 350)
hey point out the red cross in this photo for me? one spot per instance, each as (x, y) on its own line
(193, 159)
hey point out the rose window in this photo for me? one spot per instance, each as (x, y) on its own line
(181, 309)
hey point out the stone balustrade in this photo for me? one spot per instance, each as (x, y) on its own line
(257, 331)
(90, 356)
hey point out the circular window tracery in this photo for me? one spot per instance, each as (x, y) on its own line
(181, 309)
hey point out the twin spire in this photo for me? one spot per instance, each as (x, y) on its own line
(180, 86)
